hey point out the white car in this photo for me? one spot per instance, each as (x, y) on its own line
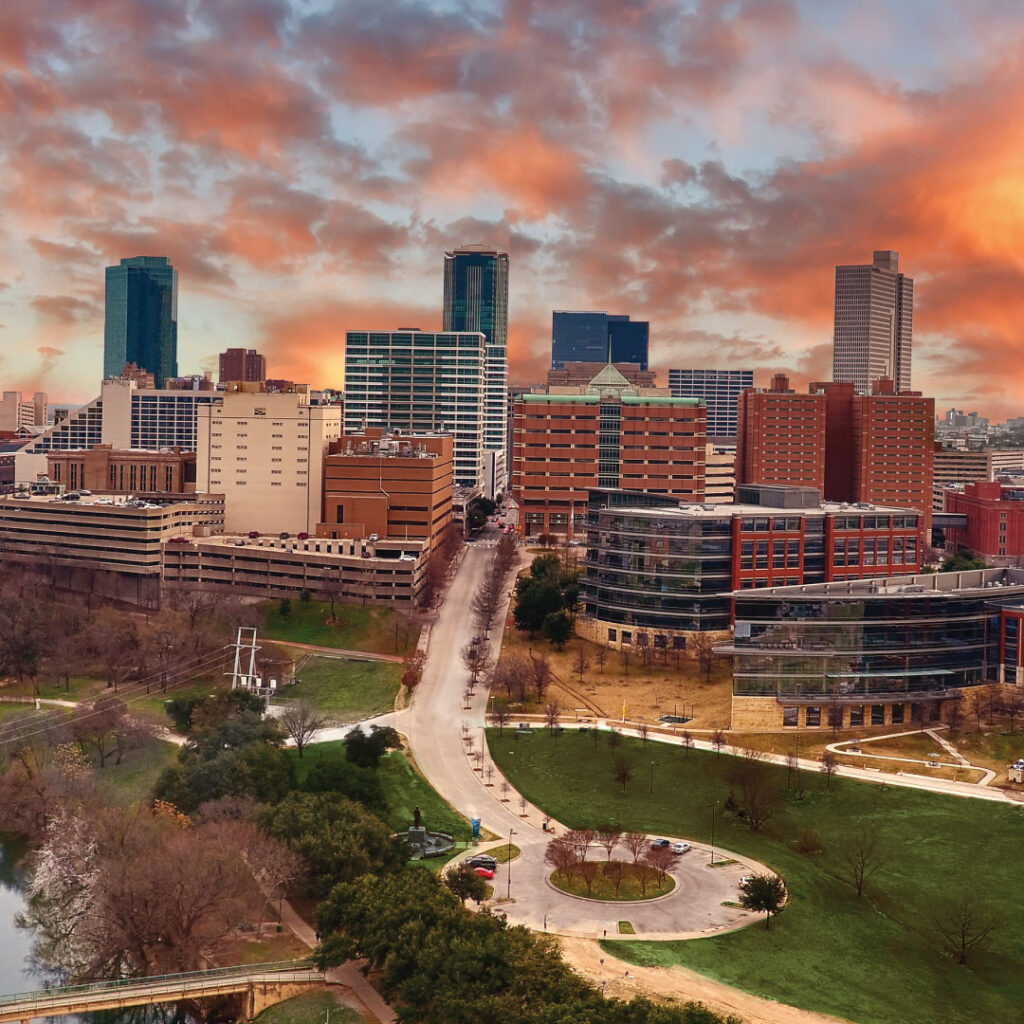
(680, 847)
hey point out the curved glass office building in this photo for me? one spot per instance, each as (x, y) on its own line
(870, 652)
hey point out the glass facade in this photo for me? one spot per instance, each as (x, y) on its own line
(476, 299)
(420, 382)
(720, 390)
(141, 318)
(875, 641)
(585, 337)
(658, 572)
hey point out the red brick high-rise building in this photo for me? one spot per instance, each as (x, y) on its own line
(609, 433)
(781, 437)
(876, 448)
(995, 521)
(242, 364)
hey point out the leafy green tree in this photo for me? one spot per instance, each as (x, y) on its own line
(462, 881)
(963, 560)
(285, 608)
(343, 778)
(535, 601)
(365, 749)
(765, 894)
(558, 628)
(337, 838)
(546, 568)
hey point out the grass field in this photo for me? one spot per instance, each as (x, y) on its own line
(311, 1008)
(348, 691)
(874, 960)
(602, 888)
(374, 629)
(134, 778)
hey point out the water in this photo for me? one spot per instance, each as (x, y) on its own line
(16, 970)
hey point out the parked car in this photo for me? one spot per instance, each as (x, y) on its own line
(484, 872)
(681, 847)
(482, 860)
(659, 843)
(744, 879)
(302, 536)
(253, 534)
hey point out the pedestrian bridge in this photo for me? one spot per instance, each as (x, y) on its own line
(262, 985)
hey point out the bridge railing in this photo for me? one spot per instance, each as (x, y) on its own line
(296, 969)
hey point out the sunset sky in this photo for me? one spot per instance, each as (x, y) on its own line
(701, 165)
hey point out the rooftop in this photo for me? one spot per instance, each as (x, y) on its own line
(719, 511)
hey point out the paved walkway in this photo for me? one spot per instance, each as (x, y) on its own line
(336, 652)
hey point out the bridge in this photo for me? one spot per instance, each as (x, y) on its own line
(262, 985)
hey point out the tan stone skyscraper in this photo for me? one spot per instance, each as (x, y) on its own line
(874, 323)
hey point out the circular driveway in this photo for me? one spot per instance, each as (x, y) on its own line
(693, 908)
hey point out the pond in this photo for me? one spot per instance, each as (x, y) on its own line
(16, 971)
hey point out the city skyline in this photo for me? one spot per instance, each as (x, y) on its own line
(301, 191)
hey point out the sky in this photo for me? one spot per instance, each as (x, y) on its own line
(702, 165)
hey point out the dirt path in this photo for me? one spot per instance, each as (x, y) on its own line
(623, 980)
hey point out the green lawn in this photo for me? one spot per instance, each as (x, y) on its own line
(405, 790)
(374, 629)
(134, 778)
(348, 691)
(310, 1008)
(874, 960)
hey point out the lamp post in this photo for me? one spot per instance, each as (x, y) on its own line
(714, 808)
(508, 864)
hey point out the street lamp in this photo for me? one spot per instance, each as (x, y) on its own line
(508, 864)
(714, 808)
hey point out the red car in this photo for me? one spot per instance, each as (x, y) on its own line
(483, 872)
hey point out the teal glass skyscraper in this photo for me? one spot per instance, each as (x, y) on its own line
(476, 299)
(141, 321)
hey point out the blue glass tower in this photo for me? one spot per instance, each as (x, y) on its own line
(597, 338)
(141, 322)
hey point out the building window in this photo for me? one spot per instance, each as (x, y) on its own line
(791, 717)
(835, 716)
(627, 636)
(812, 718)
(878, 714)
(612, 634)
(897, 714)
(857, 714)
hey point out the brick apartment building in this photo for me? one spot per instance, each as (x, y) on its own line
(104, 469)
(609, 433)
(995, 521)
(780, 437)
(389, 486)
(876, 448)
(241, 364)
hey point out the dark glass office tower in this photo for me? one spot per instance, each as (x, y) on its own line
(141, 324)
(597, 338)
(476, 299)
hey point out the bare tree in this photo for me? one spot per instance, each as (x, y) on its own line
(505, 789)
(758, 792)
(636, 843)
(489, 774)
(792, 766)
(540, 668)
(551, 713)
(954, 714)
(601, 656)
(580, 661)
(622, 772)
(500, 716)
(562, 856)
(643, 730)
(702, 649)
(609, 837)
(412, 669)
(511, 673)
(615, 871)
(863, 854)
(523, 804)
(687, 738)
(301, 721)
(624, 658)
(581, 840)
(588, 872)
(332, 590)
(718, 740)
(645, 873)
(965, 922)
(661, 859)
(97, 725)
(477, 659)
(829, 766)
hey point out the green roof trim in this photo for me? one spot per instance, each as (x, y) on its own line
(660, 400)
(589, 399)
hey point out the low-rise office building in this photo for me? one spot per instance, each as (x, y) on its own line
(383, 571)
(995, 521)
(884, 652)
(657, 573)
